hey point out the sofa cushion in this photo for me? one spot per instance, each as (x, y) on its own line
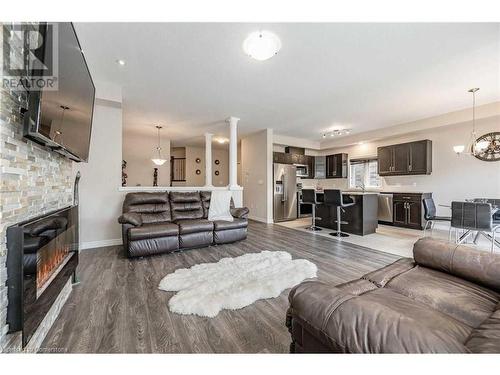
(195, 226)
(205, 201)
(375, 320)
(186, 205)
(460, 299)
(153, 207)
(225, 225)
(153, 231)
(486, 337)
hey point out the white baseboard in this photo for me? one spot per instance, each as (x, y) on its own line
(102, 243)
(261, 219)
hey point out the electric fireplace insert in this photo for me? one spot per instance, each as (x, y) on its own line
(42, 255)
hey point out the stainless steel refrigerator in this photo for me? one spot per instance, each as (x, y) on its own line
(285, 192)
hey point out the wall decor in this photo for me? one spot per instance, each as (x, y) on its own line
(198, 161)
(492, 150)
(124, 175)
(216, 173)
(155, 177)
(198, 171)
(217, 161)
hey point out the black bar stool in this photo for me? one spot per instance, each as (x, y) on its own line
(333, 197)
(309, 197)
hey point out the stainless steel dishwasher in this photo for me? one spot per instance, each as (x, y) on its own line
(385, 208)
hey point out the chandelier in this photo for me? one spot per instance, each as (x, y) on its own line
(159, 160)
(475, 146)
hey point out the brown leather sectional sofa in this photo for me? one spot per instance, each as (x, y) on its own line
(155, 223)
(445, 300)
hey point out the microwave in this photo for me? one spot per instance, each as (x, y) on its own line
(302, 170)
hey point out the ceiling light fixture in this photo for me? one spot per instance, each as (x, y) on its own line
(160, 160)
(120, 62)
(474, 148)
(336, 133)
(262, 45)
(221, 140)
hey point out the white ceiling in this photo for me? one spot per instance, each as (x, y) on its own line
(191, 76)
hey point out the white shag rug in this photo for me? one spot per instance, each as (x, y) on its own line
(232, 283)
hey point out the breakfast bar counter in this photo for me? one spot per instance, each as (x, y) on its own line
(361, 217)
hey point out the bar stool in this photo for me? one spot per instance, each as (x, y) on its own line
(309, 197)
(333, 197)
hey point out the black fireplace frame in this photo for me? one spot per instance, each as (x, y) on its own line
(20, 316)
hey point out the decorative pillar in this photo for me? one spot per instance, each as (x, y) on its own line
(233, 152)
(208, 160)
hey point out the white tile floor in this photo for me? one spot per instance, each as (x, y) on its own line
(394, 240)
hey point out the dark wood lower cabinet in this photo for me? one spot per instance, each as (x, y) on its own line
(361, 218)
(408, 210)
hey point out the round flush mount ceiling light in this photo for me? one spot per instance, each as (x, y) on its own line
(262, 45)
(120, 62)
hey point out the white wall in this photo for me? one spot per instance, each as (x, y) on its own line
(193, 179)
(453, 177)
(138, 150)
(100, 200)
(256, 179)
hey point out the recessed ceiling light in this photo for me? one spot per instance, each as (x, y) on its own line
(262, 45)
(120, 62)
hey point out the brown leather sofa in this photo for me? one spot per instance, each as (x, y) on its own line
(445, 300)
(155, 223)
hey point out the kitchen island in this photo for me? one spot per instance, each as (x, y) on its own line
(361, 217)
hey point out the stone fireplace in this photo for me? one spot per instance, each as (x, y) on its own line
(33, 180)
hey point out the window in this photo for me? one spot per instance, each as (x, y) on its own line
(363, 174)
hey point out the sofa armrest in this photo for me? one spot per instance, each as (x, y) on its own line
(240, 212)
(131, 218)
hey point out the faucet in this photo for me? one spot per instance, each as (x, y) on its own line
(361, 186)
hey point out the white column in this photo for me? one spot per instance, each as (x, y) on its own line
(208, 160)
(233, 152)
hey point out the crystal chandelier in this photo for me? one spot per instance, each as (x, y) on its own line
(159, 160)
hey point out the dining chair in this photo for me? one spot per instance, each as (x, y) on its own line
(431, 218)
(473, 217)
(496, 217)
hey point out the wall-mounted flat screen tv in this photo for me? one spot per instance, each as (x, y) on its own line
(61, 119)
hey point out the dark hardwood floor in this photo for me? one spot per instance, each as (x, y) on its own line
(118, 308)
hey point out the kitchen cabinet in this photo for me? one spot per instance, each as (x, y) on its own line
(408, 210)
(336, 166)
(404, 159)
(310, 165)
(287, 158)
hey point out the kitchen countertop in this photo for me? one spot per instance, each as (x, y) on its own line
(347, 192)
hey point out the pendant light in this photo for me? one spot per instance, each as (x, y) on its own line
(160, 160)
(474, 147)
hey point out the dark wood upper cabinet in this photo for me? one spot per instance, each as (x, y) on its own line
(336, 166)
(405, 159)
(310, 165)
(420, 155)
(286, 158)
(295, 150)
(384, 160)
